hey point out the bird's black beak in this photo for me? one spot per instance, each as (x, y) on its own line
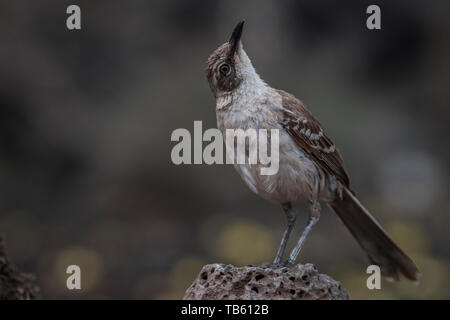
(236, 36)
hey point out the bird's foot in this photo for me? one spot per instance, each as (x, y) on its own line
(288, 263)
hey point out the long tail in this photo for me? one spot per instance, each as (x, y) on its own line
(381, 250)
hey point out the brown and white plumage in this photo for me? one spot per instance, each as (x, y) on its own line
(310, 137)
(311, 168)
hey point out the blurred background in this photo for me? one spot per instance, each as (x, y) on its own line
(86, 117)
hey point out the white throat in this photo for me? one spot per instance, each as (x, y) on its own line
(246, 71)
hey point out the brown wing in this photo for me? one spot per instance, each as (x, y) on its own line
(308, 134)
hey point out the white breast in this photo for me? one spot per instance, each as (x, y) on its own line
(298, 178)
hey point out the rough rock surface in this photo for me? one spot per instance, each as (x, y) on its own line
(264, 282)
(15, 285)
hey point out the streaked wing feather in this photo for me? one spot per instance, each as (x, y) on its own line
(308, 134)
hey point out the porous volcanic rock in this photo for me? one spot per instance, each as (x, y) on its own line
(15, 285)
(264, 282)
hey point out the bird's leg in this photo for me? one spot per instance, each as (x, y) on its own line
(314, 215)
(287, 208)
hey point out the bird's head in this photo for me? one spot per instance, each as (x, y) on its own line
(228, 66)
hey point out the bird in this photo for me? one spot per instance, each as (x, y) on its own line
(311, 168)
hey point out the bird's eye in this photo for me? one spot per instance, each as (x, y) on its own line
(224, 69)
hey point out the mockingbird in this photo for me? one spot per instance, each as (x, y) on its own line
(311, 169)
